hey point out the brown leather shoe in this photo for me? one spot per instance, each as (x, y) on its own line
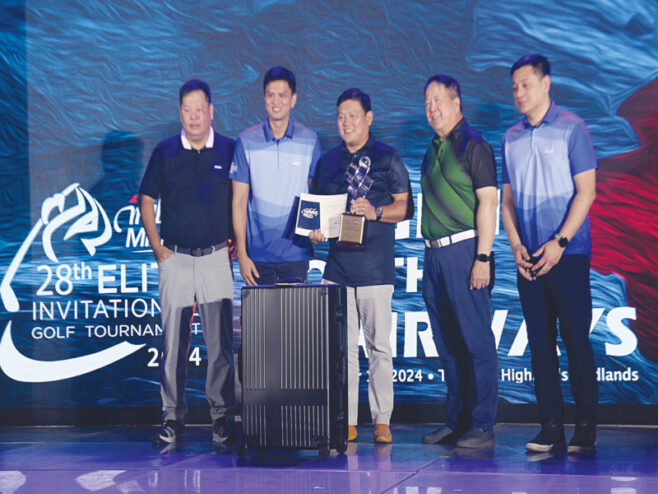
(383, 434)
(351, 433)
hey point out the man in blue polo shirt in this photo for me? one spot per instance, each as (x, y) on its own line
(271, 168)
(189, 172)
(369, 274)
(549, 184)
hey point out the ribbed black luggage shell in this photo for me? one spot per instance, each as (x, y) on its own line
(294, 367)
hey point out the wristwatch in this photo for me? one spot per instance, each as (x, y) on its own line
(379, 211)
(561, 240)
(483, 257)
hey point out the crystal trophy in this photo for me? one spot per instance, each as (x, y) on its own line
(353, 227)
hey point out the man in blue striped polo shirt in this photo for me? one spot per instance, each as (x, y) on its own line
(549, 184)
(271, 168)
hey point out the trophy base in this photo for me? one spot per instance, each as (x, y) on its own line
(353, 232)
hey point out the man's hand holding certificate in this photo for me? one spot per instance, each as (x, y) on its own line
(318, 212)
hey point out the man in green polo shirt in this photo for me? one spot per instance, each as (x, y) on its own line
(458, 180)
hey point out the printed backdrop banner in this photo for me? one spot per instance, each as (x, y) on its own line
(88, 89)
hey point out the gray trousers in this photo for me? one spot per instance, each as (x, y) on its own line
(208, 279)
(371, 307)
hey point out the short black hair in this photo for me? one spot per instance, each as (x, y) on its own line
(450, 83)
(194, 85)
(540, 65)
(279, 73)
(356, 94)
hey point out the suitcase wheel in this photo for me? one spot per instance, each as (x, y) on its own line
(243, 449)
(323, 452)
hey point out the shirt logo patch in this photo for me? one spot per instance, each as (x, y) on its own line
(218, 167)
(548, 150)
(296, 163)
(234, 167)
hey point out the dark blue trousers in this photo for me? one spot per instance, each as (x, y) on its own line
(563, 294)
(461, 326)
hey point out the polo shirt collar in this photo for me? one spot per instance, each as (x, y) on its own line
(453, 135)
(549, 118)
(268, 132)
(186, 143)
(368, 145)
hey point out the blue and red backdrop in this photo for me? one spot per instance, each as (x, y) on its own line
(88, 89)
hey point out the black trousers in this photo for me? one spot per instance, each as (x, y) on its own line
(564, 295)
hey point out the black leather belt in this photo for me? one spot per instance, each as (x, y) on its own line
(196, 252)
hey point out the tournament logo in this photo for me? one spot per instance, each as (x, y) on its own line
(79, 216)
(310, 213)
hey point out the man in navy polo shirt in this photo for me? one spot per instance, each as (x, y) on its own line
(189, 172)
(549, 184)
(271, 168)
(368, 274)
(460, 198)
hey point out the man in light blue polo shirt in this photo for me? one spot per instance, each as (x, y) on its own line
(549, 184)
(272, 164)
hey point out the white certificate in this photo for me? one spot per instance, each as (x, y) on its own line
(317, 212)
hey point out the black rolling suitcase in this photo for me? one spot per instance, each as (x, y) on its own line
(294, 367)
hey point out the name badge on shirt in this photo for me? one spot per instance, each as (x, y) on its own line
(296, 163)
(548, 150)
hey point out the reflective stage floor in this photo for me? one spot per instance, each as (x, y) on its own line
(53, 460)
